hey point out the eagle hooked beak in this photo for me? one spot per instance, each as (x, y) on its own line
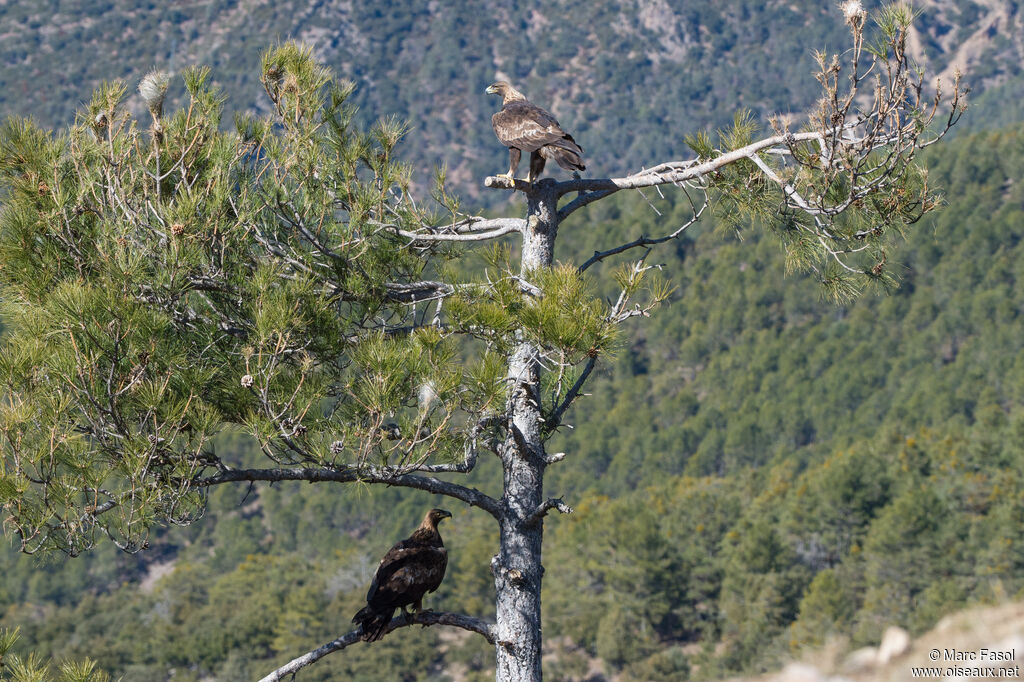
(490, 90)
(445, 514)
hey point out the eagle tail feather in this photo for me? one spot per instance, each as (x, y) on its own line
(567, 158)
(372, 623)
(568, 144)
(577, 147)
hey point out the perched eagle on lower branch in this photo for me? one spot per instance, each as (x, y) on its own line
(524, 127)
(408, 571)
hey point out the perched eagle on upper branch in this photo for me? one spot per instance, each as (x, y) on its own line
(524, 127)
(408, 571)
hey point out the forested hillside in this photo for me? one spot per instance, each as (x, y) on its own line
(629, 78)
(755, 470)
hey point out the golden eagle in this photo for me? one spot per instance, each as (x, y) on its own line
(524, 127)
(409, 570)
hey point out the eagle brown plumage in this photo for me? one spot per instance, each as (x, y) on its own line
(524, 127)
(409, 570)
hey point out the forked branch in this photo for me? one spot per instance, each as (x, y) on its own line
(644, 240)
(669, 173)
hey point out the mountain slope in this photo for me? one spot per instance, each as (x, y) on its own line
(629, 78)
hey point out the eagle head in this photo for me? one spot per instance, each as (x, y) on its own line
(507, 92)
(434, 517)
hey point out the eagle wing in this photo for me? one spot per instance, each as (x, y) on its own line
(526, 126)
(406, 573)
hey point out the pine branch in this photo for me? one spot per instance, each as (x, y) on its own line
(481, 230)
(424, 619)
(368, 474)
(647, 241)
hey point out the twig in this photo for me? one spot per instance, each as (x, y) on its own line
(541, 511)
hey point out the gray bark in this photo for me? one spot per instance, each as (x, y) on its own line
(517, 568)
(423, 618)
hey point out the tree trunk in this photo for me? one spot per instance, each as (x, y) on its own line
(517, 568)
(518, 572)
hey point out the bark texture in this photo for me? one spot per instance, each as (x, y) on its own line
(517, 568)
